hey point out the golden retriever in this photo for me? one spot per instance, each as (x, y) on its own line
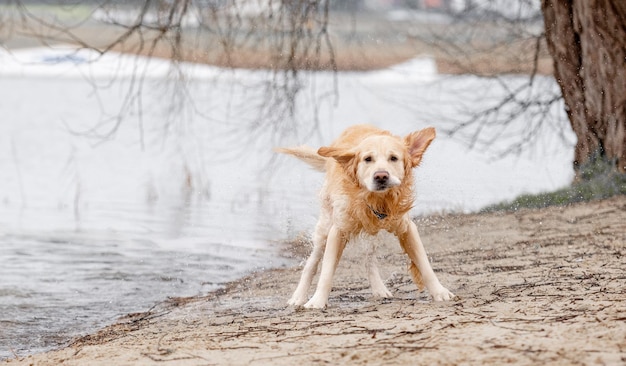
(368, 188)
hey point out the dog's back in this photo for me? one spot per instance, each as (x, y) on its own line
(348, 138)
(351, 136)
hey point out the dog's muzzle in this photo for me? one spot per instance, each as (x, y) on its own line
(381, 180)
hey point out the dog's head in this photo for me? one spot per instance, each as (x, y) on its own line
(381, 162)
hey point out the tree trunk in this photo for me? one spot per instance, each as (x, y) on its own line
(587, 39)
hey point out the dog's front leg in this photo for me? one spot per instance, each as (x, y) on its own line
(412, 245)
(334, 248)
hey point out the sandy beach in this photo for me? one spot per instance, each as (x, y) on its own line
(535, 287)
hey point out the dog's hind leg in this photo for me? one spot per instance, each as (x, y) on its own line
(371, 265)
(320, 235)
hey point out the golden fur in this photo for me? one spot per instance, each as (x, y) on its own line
(368, 188)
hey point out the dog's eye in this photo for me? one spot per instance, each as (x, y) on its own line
(368, 159)
(393, 158)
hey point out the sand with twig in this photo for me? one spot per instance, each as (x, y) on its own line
(536, 287)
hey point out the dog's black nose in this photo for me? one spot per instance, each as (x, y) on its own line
(381, 177)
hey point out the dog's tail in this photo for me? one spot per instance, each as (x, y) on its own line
(307, 154)
(416, 275)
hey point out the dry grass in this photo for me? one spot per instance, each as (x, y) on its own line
(346, 53)
(504, 59)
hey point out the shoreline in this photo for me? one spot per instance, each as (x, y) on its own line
(355, 43)
(535, 286)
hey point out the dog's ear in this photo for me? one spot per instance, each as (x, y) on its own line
(417, 142)
(343, 156)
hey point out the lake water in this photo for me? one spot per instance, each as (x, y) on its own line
(186, 194)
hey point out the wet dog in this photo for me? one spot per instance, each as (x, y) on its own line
(368, 188)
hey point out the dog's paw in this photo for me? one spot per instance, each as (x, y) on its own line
(441, 294)
(296, 301)
(316, 303)
(381, 292)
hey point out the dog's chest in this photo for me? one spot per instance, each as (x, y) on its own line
(371, 221)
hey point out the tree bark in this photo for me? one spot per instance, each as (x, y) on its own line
(587, 40)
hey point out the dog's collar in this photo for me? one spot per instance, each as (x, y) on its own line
(380, 215)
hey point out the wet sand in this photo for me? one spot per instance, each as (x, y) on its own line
(535, 287)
